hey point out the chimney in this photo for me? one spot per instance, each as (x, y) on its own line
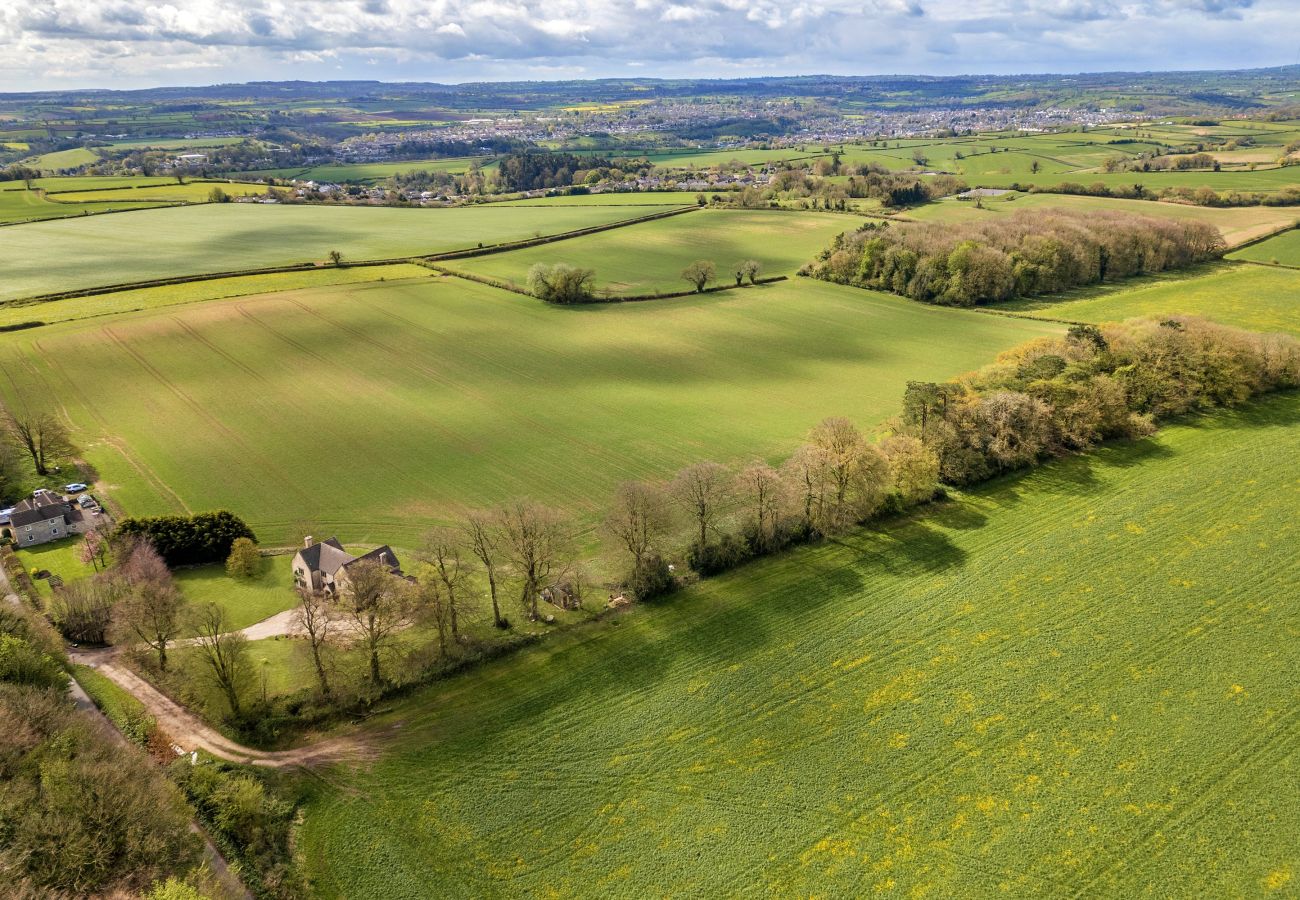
(306, 542)
(383, 558)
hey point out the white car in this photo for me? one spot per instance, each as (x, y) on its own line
(75, 487)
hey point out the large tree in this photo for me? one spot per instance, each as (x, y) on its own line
(639, 520)
(149, 605)
(763, 492)
(483, 537)
(699, 273)
(225, 652)
(702, 490)
(856, 473)
(313, 616)
(40, 434)
(444, 552)
(536, 539)
(377, 604)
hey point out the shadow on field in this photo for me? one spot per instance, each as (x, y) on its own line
(907, 547)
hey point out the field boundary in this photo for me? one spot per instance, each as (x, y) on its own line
(611, 298)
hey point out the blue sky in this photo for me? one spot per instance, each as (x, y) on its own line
(130, 43)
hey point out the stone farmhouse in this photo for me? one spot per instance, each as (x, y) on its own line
(46, 517)
(322, 566)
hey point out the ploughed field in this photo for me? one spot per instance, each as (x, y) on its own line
(373, 408)
(90, 251)
(1079, 682)
(650, 257)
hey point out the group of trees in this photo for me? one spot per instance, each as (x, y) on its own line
(189, 540)
(1031, 252)
(1199, 196)
(561, 283)
(81, 814)
(1062, 395)
(531, 170)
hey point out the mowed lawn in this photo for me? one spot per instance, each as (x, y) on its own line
(1283, 249)
(1077, 683)
(1254, 297)
(45, 257)
(650, 257)
(373, 409)
(1237, 224)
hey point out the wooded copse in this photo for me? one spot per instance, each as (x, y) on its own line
(1028, 253)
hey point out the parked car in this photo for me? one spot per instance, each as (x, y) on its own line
(86, 502)
(75, 487)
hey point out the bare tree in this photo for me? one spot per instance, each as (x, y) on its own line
(313, 617)
(378, 604)
(536, 539)
(702, 490)
(764, 495)
(483, 535)
(432, 603)
(639, 520)
(750, 269)
(806, 473)
(225, 652)
(40, 434)
(699, 273)
(442, 550)
(150, 605)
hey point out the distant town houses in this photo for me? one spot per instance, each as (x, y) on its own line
(47, 516)
(322, 566)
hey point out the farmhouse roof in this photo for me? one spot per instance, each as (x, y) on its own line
(41, 506)
(383, 555)
(325, 556)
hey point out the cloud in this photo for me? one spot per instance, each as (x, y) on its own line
(141, 42)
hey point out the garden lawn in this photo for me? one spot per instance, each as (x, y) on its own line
(1254, 297)
(1079, 682)
(59, 558)
(46, 257)
(375, 409)
(245, 601)
(649, 258)
(1283, 249)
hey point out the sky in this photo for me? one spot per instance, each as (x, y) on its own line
(50, 44)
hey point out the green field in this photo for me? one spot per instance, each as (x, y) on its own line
(62, 159)
(189, 192)
(50, 312)
(245, 601)
(1074, 683)
(45, 257)
(26, 206)
(1237, 224)
(375, 408)
(370, 173)
(1254, 297)
(1283, 249)
(617, 198)
(650, 257)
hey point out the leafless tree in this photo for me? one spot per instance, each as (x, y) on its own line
(764, 494)
(483, 536)
(702, 490)
(639, 520)
(150, 604)
(378, 604)
(312, 615)
(40, 434)
(536, 539)
(443, 552)
(225, 652)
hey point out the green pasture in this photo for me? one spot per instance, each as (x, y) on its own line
(1283, 249)
(1229, 180)
(62, 159)
(650, 257)
(46, 257)
(20, 206)
(1236, 224)
(1259, 298)
(374, 409)
(370, 172)
(1075, 683)
(50, 312)
(617, 198)
(189, 192)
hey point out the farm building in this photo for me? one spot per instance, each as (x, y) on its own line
(45, 517)
(322, 566)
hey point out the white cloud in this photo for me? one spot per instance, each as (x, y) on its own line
(139, 42)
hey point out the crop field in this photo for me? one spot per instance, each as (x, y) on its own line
(410, 397)
(1074, 683)
(189, 192)
(18, 206)
(1283, 249)
(650, 257)
(1238, 224)
(62, 159)
(369, 173)
(134, 300)
(90, 251)
(620, 198)
(1255, 297)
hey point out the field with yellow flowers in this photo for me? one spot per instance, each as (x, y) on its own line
(1078, 682)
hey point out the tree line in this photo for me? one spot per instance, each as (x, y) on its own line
(1028, 253)
(1198, 196)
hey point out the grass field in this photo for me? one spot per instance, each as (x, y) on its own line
(650, 257)
(1237, 225)
(189, 192)
(1254, 297)
(620, 198)
(53, 256)
(1075, 683)
(62, 159)
(50, 312)
(1284, 249)
(24, 206)
(370, 173)
(374, 408)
